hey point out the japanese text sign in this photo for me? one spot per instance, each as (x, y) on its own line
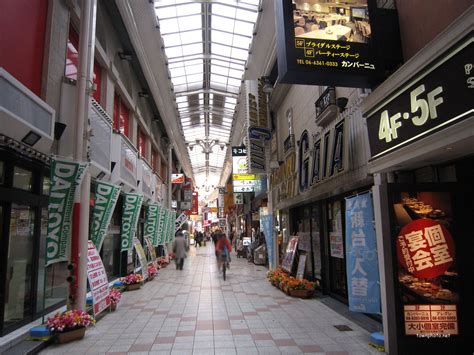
(425, 248)
(97, 277)
(361, 251)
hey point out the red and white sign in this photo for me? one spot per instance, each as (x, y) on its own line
(177, 178)
(97, 278)
(431, 319)
(425, 248)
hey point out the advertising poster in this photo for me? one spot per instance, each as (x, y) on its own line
(266, 225)
(105, 199)
(132, 204)
(336, 245)
(289, 257)
(301, 267)
(151, 250)
(141, 257)
(427, 272)
(97, 277)
(65, 177)
(361, 251)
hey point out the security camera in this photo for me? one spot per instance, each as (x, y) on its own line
(222, 146)
(191, 147)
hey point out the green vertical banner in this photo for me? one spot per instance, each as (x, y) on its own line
(151, 221)
(130, 213)
(161, 226)
(155, 239)
(105, 199)
(167, 226)
(173, 226)
(66, 175)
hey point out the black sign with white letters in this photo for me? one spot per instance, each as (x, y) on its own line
(440, 96)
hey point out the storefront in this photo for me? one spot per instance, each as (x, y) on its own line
(28, 289)
(421, 127)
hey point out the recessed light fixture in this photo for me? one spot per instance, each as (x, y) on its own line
(31, 138)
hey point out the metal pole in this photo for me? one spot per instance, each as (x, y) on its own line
(80, 235)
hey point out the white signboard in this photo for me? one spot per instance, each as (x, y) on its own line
(97, 277)
(141, 257)
(182, 218)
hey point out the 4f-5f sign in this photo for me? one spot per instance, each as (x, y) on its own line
(439, 97)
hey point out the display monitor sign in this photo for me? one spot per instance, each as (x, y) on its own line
(440, 96)
(332, 40)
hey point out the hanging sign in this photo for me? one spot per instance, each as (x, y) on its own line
(151, 221)
(182, 218)
(132, 204)
(97, 277)
(177, 178)
(361, 250)
(239, 198)
(105, 199)
(65, 177)
(141, 257)
(239, 160)
(328, 45)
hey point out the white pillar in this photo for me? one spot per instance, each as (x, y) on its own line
(84, 89)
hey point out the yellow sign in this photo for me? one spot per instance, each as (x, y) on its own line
(243, 176)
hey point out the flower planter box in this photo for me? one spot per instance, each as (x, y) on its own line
(151, 277)
(71, 335)
(113, 307)
(133, 287)
(301, 293)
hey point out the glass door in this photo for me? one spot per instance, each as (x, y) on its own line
(18, 291)
(337, 262)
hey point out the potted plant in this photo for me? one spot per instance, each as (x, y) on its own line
(115, 296)
(300, 288)
(132, 281)
(70, 325)
(152, 272)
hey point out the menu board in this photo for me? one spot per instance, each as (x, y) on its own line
(97, 277)
(427, 270)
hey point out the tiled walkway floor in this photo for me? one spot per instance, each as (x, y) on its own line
(195, 312)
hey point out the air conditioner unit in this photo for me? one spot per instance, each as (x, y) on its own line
(24, 116)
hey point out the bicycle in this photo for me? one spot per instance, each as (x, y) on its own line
(224, 259)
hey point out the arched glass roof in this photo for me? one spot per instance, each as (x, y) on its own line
(207, 45)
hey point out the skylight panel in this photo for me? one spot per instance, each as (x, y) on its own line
(178, 80)
(191, 36)
(190, 22)
(188, 9)
(222, 23)
(195, 77)
(216, 69)
(193, 69)
(220, 49)
(243, 28)
(169, 26)
(165, 12)
(173, 52)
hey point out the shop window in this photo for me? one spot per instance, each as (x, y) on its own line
(22, 179)
(141, 143)
(18, 301)
(121, 116)
(72, 55)
(337, 262)
(72, 62)
(2, 173)
(46, 185)
(154, 159)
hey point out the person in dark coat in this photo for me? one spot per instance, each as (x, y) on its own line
(180, 248)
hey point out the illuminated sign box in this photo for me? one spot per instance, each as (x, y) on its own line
(177, 178)
(244, 177)
(438, 97)
(330, 43)
(239, 160)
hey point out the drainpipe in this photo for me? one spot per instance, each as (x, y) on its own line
(80, 232)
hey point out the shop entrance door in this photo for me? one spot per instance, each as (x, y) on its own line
(336, 252)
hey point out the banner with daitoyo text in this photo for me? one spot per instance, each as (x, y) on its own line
(151, 221)
(105, 199)
(361, 251)
(266, 225)
(161, 226)
(66, 175)
(132, 204)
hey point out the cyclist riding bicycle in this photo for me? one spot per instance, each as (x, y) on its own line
(223, 249)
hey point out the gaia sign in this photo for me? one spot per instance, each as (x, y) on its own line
(106, 196)
(65, 176)
(131, 210)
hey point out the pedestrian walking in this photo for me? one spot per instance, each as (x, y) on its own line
(180, 247)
